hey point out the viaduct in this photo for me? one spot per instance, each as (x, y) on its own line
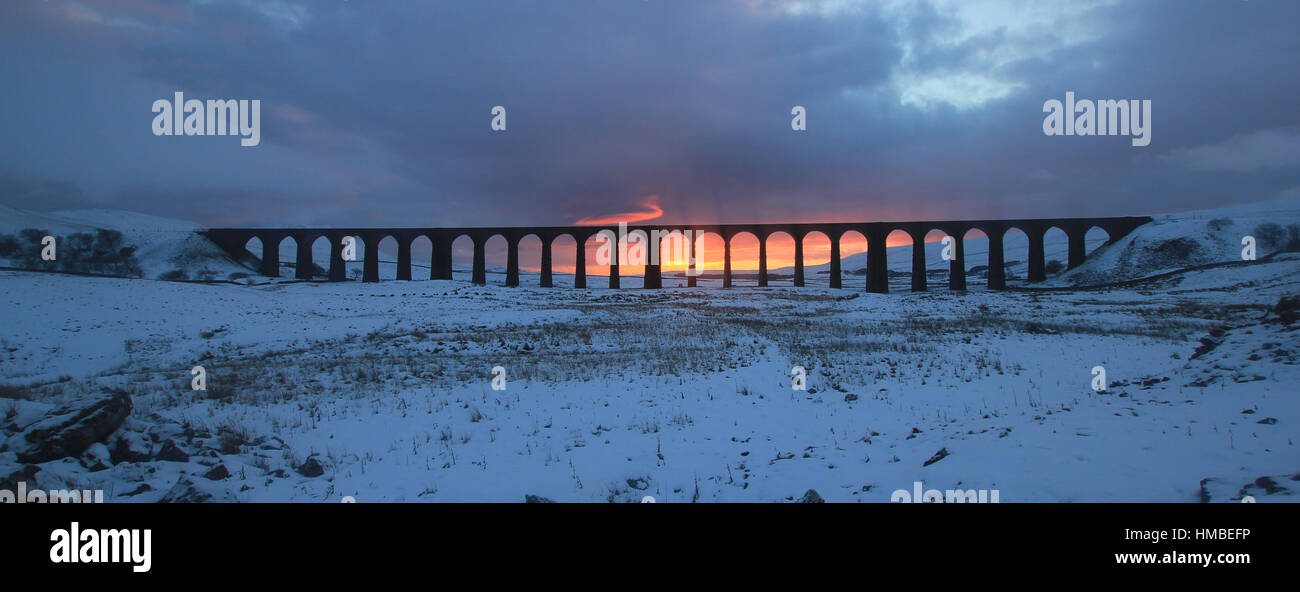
(234, 241)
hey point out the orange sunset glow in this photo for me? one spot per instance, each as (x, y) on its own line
(709, 248)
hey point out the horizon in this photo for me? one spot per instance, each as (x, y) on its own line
(927, 110)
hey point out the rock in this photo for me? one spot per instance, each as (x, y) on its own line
(1207, 345)
(811, 497)
(1287, 309)
(938, 456)
(189, 491)
(97, 457)
(270, 443)
(849, 398)
(130, 448)
(1268, 421)
(311, 468)
(1269, 486)
(1205, 491)
(144, 487)
(11, 472)
(217, 473)
(69, 431)
(537, 499)
(170, 452)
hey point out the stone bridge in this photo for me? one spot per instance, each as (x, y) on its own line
(234, 241)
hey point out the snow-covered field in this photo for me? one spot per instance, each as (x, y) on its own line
(386, 390)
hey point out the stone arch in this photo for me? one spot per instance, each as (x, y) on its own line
(901, 246)
(745, 248)
(1056, 248)
(252, 255)
(564, 258)
(422, 254)
(286, 255)
(463, 247)
(529, 248)
(774, 259)
(386, 246)
(353, 267)
(303, 267)
(932, 248)
(318, 252)
(1016, 239)
(636, 246)
(674, 252)
(1096, 237)
(816, 256)
(709, 251)
(975, 243)
(853, 254)
(601, 246)
(495, 253)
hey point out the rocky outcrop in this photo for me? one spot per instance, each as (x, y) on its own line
(811, 497)
(191, 491)
(11, 471)
(170, 452)
(70, 431)
(311, 468)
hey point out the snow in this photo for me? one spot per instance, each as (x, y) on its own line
(162, 244)
(680, 394)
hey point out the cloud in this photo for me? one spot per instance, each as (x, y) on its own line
(968, 53)
(78, 12)
(962, 90)
(378, 112)
(41, 195)
(653, 211)
(1242, 153)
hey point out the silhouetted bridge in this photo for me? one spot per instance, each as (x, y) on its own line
(234, 241)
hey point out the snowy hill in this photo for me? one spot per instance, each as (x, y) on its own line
(1179, 241)
(1170, 242)
(163, 247)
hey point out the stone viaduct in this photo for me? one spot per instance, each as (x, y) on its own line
(234, 241)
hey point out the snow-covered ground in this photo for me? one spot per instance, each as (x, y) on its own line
(162, 245)
(680, 394)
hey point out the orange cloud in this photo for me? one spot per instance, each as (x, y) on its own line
(651, 203)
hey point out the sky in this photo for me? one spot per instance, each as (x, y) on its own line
(378, 113)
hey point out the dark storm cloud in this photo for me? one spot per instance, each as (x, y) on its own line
(379, 111)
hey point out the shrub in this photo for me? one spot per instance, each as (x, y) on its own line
(29, 249)
(9, 246)
(82, 252)
(104, 253)
(1218, 224)
(13, 391)
(1269, 234)
(1053, 267)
